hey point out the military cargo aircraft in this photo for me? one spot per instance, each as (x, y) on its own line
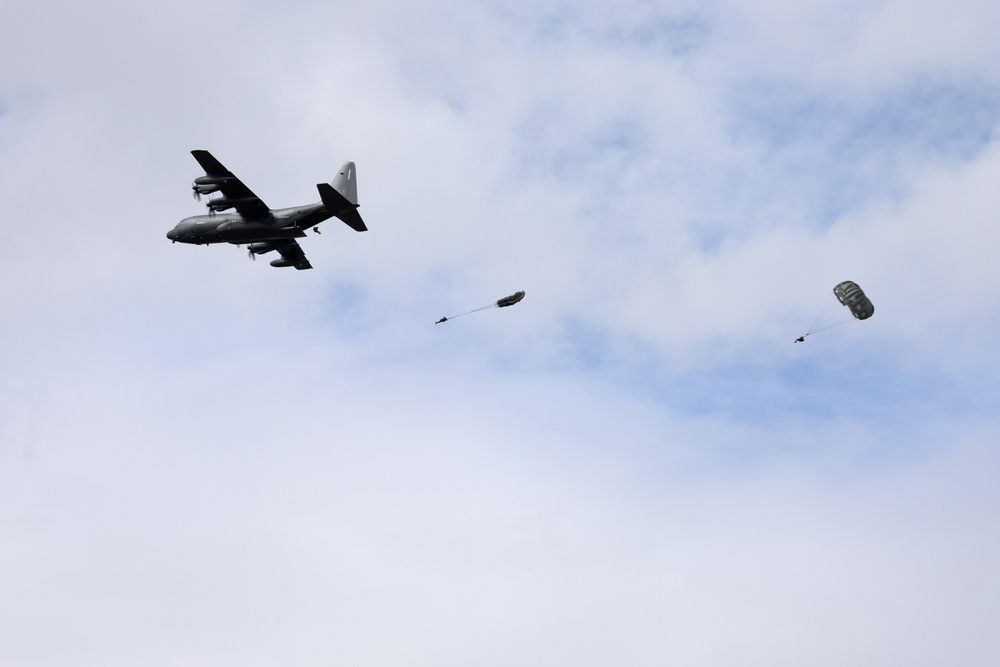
(250, 221)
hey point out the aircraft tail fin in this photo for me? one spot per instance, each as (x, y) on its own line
(341, 197)
(346, 182)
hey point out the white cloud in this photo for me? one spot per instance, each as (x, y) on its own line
(208, 461)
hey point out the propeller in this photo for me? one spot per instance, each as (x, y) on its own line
(204, 185)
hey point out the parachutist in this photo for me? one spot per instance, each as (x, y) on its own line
(850, 295)
(499, 303)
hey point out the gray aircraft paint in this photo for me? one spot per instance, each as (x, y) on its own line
(238, 216)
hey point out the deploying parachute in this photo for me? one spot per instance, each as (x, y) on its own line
(849, 294)
(499, 303)
(510, 300)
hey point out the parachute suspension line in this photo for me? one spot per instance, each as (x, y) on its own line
(827, 317)
(842, 322)
(492, 305)
(822, 315)
(476, 310)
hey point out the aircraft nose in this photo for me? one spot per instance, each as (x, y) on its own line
(172, 235)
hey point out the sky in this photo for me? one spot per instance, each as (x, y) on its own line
(208, 461)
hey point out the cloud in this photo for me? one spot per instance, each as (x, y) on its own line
(208, 461)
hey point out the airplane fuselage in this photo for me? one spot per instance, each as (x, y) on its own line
(232, 227)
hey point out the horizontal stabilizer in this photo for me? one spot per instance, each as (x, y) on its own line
(341, 207)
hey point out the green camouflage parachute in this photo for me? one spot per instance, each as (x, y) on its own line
(852, 296)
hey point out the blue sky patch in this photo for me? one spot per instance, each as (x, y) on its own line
(842, 150)
(643, 27)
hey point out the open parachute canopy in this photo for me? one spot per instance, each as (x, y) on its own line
(499, 303)
(850, 295)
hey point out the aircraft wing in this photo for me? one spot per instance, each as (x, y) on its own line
(243, 199)
(291, 255)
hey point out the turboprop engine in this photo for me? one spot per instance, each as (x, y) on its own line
(204, 185)
(262, 247)
(223, 204)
